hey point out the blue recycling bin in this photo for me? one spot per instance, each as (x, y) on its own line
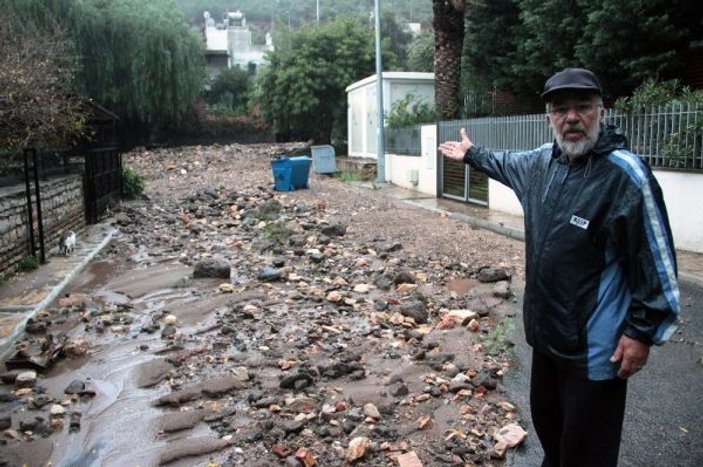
(323, 161)
(291, 173)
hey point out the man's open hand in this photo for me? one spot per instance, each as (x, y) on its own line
(456, 149)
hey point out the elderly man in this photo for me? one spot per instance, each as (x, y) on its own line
(601, 284)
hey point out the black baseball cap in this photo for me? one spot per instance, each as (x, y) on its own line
(577, 79)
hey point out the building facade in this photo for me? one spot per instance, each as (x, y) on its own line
(228, 44)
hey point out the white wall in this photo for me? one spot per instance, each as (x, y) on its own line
(398, 167)
(682, 191)
(428, 169)
(501, 198)
(682, 195)
(398, 170)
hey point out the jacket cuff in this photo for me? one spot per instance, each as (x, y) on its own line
(469, 153)
(633, 333)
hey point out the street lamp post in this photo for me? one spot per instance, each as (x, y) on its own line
(380, 149)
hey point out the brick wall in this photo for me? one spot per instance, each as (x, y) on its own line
(63, 208)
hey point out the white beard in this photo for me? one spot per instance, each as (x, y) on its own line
(580, 148)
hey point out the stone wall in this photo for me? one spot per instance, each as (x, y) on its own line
(63, 208)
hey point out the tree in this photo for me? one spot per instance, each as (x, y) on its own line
(421, 53)
(625, 46)
(37, 106)
(140, 59)
(302, 91)
(397, 39)
(449, 38)
(230, 89)
(514, 45)
(540, 50)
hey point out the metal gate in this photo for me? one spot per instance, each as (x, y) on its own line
(458, 180)
(103, 180)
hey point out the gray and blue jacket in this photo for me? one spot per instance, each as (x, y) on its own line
(600, 260)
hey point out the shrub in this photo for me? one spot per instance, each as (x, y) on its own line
(28, 263)
(659, 93)
(411, 111)
(499, 340)
(132, 184)
(348, 176)
(276, 231)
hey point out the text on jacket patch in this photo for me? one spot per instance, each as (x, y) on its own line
(579, 222)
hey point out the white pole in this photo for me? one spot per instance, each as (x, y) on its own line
(318, 11)
(380, 149)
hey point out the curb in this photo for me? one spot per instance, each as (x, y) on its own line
(685, 278)
(32, 310)
(690, 280)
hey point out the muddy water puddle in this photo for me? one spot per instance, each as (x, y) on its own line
(118, 425)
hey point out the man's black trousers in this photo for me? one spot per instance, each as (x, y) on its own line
(578, 422)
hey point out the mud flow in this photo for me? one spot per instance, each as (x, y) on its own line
(232, 325)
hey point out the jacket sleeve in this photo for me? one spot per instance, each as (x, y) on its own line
(509, 168)
(650, 262)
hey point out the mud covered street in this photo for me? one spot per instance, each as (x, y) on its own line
(229, 324)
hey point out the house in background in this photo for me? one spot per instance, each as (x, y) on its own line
(228, 44)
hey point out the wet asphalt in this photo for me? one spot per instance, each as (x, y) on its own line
(664, 413)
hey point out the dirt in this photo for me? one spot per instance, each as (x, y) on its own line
(331, 342)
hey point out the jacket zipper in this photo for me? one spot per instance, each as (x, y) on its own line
(550, 220)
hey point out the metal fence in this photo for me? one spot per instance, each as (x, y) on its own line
(666, 136)
(669, 136)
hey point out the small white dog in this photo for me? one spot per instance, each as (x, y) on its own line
(67, 243)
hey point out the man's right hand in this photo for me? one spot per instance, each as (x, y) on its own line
(456, 149)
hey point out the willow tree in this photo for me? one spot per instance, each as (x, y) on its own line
(449, 39)
(140, 59)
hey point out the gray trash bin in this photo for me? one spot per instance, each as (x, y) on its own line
(323, 161)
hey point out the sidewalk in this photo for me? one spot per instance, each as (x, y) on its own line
(28, 293)
(690, 264)
(25, 294)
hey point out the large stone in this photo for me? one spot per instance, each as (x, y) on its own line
(357, 448)
(409, 459)
(26, 379)
(212, 268)
(511, 434)
(502, 289)
(76, 387)
(404, 277)
(269, 274)
(493, 275)
(415, 310)
(335, 230)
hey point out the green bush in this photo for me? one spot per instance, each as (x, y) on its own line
(28, 263)
(132, 184)
(659, 93)
(499, 340)
(411, 111)
(277, 231)
(348, 176)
